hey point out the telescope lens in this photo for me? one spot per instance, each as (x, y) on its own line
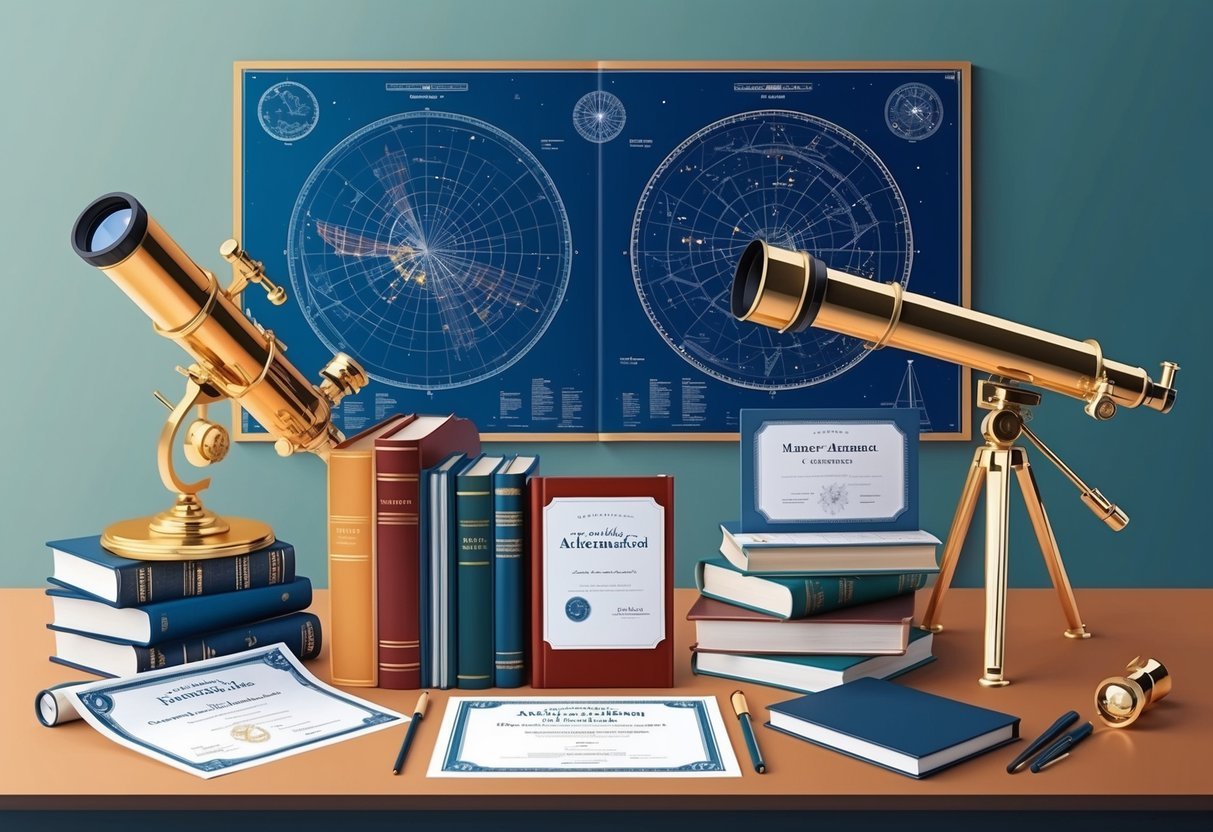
(109, 228)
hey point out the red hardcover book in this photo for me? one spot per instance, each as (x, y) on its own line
(400, 457)
(602, 578)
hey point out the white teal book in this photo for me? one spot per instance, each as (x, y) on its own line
(844, 553)
(802, 595)
(810, 674)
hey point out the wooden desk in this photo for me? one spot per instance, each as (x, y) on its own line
(1160, 763)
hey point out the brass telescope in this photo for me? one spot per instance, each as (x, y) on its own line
(235, 359)
(792, 290)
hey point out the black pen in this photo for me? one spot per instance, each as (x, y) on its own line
(1063, 722)
(422, 703)
(1061, 749)
(742, 709)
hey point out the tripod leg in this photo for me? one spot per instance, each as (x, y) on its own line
(1048, 548)
(956, 538)
(998, 502)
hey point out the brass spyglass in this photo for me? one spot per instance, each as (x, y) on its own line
(234, 359)
(792, 290)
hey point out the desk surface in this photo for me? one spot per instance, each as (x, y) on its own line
(1159, 763)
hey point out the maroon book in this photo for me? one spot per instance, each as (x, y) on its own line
(602, 578)
(400, 457)
(875, 629)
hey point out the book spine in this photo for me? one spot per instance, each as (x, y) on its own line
(397, 566)
(189, 617)
(535, 500)
(351, 530)
(299, 631)
(509, 574)
(449, 645)
(812, 596)
(425, 580)
(474, 581)
(152, 581)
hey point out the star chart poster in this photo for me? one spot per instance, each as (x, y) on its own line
(549, 250)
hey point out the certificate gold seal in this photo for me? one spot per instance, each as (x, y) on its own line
(249, 733)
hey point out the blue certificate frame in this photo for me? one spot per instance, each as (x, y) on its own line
(882, 500)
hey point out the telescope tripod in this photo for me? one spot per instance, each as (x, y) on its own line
(991, 467)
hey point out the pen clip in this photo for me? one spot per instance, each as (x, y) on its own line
(1062, 748)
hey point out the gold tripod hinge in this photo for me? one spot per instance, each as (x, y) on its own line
(992, 466)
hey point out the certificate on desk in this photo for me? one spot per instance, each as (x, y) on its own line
(634, 736)
(228, 713)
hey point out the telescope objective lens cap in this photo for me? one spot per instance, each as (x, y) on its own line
(109, 230)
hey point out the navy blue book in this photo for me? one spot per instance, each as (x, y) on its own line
(902, 729)
(81, 563)
(299, 631)
(510, 578)
(169, 620)
(474, 582)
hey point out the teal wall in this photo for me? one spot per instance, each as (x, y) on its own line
(1091, 190)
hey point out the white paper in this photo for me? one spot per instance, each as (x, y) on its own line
(603, 573)
(830, 472)
(228, 713)
(630, 736)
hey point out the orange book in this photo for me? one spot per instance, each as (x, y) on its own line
(351, 556)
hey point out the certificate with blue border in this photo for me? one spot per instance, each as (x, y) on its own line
(638, 736)
(829, 470)
(229, 713)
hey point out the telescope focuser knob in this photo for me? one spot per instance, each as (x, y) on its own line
(249, 271)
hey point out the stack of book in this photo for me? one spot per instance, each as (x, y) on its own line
(114, 616)
(427, 567)
(811, 611)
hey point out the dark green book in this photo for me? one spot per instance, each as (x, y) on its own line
(474, 579)
(799, 596)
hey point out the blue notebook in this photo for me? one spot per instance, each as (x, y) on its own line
(899, 728)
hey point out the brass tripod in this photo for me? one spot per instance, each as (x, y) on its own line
(992, 465)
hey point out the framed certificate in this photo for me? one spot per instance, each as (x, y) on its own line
(829, 470)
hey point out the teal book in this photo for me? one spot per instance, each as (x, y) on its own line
(800, 596)
(168, 620)
(474, 579)
(299, 631)
(81, 563)
(810, 674)
(510, 577)
(902, 729)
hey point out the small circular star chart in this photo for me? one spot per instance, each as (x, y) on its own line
(288, 111)
(599, 116)
(792, 179)
(433, 247)
(913, 111)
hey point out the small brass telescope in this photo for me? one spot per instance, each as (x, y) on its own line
(235, 359)
(792, 290)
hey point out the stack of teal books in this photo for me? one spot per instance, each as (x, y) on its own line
(807, 612)
(114, 616)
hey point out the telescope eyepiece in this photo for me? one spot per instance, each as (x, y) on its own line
(109, 230)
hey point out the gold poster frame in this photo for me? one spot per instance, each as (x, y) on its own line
(962, 68)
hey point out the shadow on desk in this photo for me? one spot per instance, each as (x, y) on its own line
(507, 821)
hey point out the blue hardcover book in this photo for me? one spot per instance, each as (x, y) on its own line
(510, 579)
(436, 575)
(902, 729)
(299, 631)
(810, 674)
(829, 470)
(81, 563)
(474, 581)
(168, 620)
(443, 547)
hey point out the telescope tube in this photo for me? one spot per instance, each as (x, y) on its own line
(186, 304)
(792, 290)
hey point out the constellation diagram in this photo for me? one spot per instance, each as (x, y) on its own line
(795, 180)
(433, 246)
(599, 116)
(913, 111)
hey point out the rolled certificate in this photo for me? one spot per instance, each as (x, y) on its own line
(53, 707)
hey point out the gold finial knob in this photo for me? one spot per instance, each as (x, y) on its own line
(249, 271)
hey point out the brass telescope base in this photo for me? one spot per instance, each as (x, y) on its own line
(991, 469)
(187, 531)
